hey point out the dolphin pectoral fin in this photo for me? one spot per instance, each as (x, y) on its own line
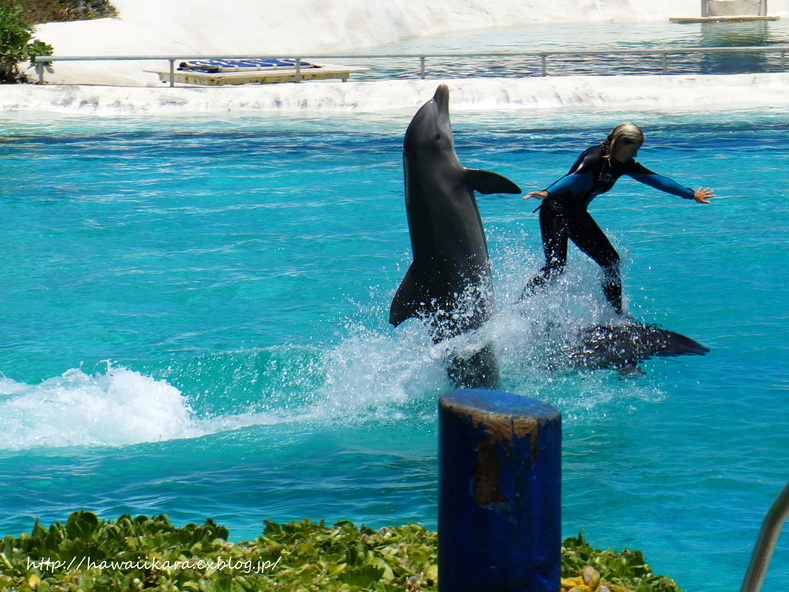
(487, 182)
(406, 301)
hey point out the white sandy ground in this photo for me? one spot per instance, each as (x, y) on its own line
(671, 93)
(311, 27)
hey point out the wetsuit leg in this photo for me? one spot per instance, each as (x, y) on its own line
(555, 223)
(586, 234)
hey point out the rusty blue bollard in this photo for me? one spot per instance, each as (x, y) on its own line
(499, 493)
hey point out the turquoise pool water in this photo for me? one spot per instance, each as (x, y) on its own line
(195, 315)
(619, 38)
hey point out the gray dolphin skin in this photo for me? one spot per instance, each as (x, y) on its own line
(622, 347)
(448, 285)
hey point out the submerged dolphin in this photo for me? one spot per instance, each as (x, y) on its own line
(448, 284)
(622, 347)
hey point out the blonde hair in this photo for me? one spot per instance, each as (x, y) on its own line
(628, 133)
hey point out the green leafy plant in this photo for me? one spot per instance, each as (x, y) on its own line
(17, 45)
(48, 11)
(132, 554)
(621, 569)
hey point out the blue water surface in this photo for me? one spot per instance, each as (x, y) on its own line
(195, 313)
(592, 48)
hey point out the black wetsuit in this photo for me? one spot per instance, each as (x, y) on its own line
(563, 215)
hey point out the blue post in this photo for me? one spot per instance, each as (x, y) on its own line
(499, 513)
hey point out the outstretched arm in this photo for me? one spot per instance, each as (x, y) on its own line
(575, 183)
(700, 195)
(537, 194)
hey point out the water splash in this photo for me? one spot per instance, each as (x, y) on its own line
(118, 407)
(372, 373)
(535, 336)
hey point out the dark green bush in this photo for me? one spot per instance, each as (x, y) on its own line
(17, 45)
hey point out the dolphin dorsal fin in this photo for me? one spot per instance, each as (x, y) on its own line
(487, 182)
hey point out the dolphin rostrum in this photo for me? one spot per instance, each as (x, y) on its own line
(449, 283)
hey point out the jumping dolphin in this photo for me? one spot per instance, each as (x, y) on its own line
(448, 284)
(622, 347)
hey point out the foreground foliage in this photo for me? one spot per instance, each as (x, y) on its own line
(17, 45)
(616, 570)
(131, 554)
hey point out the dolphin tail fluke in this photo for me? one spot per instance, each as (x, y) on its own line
(487, 182)
(407, 299)
(677, 345)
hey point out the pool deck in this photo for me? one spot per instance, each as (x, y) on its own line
(722, 19)
(263, 76)
(669, 93)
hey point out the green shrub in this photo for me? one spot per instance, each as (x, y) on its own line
(47, 11)
(132, 554)
(17, 45)
(620, 569)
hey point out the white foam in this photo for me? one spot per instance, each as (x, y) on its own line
(118, 408)
(656, 93)
(77, 409)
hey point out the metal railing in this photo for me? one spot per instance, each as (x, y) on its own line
(765, 544)
(543, 56)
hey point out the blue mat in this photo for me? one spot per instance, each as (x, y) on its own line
(222, 66)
